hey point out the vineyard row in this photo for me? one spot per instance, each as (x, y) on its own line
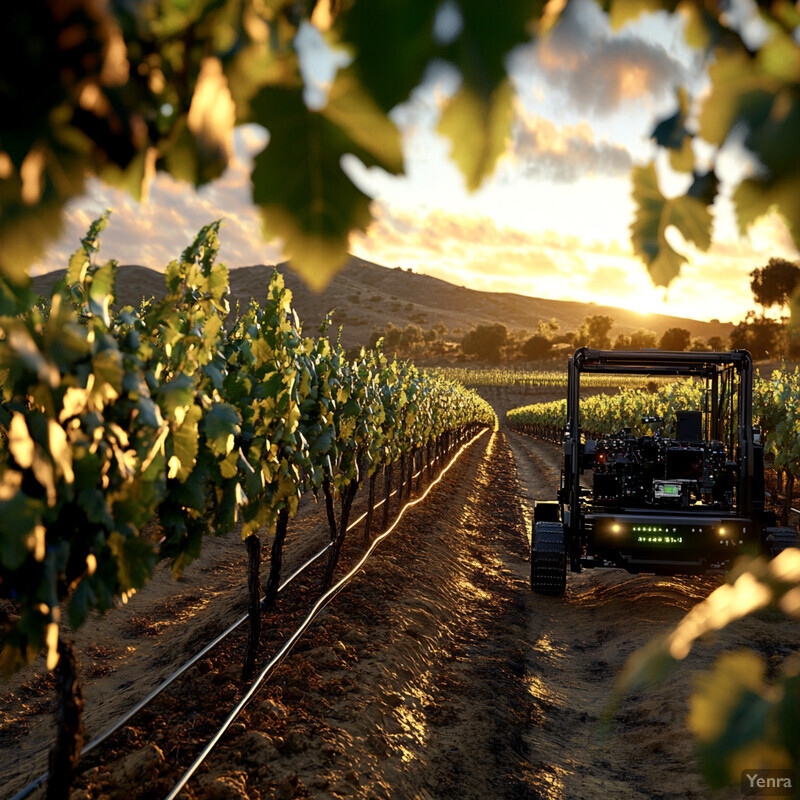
(127, 438)
(474, 377)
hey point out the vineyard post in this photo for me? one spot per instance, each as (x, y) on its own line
(429, 463)
(420, 468)
(276, 560)
(370, 507)
(254, 604)
(69, 736)
(387, 492)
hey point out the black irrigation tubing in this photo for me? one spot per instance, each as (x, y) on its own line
(315, 610)
(23, 793)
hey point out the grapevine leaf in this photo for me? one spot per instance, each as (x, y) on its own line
(135, 559)
(19, 517)
(108, 370)
(740, 93)
(185, 443)
(624, 11)
(94, 505)
(20, 444)
(477, 120)
(298, 182)
(671, 132)
(487, 37)
(654, 214)
(393, 43)
(90, 243)
(478, 129)
(682, 160)
(191, 494)
(352, 109)
(704, 187)
(83, 600)
(14, 299)
(101, 290)
(221, 425)
(60, 450)
(177, 393)
(729, 714)
(754, 198)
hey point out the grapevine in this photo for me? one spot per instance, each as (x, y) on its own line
(127, 438)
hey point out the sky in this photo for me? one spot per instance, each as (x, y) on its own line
(553, 220)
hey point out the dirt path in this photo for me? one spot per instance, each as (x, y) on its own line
(436, 674)
(576, 647)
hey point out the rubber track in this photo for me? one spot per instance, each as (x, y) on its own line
(779, 539)
(548, 559)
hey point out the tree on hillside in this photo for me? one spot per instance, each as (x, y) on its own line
(537, 346)
(547, 328)
(485, 341)
(641, 339)
(594, 332)
(774, 284)
(762, 336)
(716, 343)
(675, 339)
(622, 342)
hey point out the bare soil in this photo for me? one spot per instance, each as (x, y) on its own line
(435, 674)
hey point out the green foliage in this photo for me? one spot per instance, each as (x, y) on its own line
(775, 283)
(763, 337)
(160, 86)
(675, 339)
(594, 332)
(108, 423)
(299, 185)
(655, 214)
(485, 341)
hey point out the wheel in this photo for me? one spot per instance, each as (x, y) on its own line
(548, 559)
(779, 539)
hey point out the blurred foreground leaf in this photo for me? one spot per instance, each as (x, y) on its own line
(654, 215)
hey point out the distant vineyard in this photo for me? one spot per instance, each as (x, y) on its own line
(776, 410)
(472, 377)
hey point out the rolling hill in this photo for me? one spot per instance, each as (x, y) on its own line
(366, 295)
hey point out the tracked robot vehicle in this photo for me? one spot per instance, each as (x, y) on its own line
(675, 504)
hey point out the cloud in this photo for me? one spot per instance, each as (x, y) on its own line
(623, 281)
(156, 232)
(566, 154)
(598, 69)
(476, 251)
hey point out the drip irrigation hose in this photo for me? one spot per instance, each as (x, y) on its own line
(315, 610)
(23, 793)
